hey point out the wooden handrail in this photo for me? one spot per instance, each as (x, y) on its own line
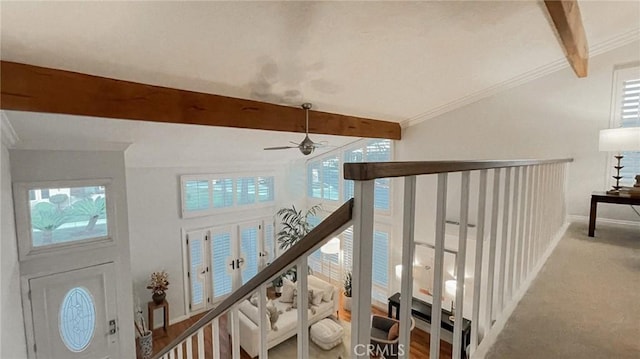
(336, 221)
(371, 170)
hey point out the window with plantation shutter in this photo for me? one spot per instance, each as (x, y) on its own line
(246, 190)
(373, 151)
(249, 252)
(222, 192)
(269, 241)
(196, 195)
(197, 269)
(347, 240)
(221, 256)
(265, 189)
(315, 259)
(627, 114)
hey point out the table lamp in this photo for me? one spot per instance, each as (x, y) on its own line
(618, 140)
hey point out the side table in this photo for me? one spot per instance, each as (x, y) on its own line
(152, 306)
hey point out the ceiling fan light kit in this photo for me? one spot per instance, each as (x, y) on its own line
(307, 146)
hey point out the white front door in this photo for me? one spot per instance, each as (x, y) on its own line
(74, 314)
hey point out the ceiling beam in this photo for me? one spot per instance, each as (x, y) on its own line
(566, 18)
(38, 89)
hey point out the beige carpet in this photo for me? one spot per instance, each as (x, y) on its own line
(289, 348)
(585, 303)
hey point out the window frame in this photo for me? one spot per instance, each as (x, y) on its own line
(620, 75)
(235, 206)
(26, 250)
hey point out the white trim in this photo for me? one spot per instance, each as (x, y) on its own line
(489, 340)
(559, 64)
(9, 135)
(584, 219)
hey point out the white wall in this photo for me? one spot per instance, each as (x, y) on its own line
(555, 116)
(34, 166)
(156, 225)
(12, 336)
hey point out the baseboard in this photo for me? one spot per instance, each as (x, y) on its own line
(498, 326)
(585, 219)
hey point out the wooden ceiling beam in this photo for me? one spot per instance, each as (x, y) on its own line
(38, 89)
(567, 20)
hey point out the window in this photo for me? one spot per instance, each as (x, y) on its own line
(373, 151)
(77, 319)
(626, 113)
(67, 214)
(208, 194)
(324, 179)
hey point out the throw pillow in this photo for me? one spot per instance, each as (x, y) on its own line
(254, 299)
(288, 290)
(294, 304)
(317, 295)
(273, 314)
(394, 332)
(327, 288)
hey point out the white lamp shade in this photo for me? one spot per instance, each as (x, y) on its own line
(620, 139)
(332, 247)
(450, 287)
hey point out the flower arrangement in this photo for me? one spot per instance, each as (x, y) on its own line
(159, 282)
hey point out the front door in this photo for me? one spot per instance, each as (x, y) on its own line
(74, 314)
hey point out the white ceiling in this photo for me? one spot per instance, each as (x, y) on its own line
(393, 61)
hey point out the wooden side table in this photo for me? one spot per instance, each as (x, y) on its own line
(602, 197)
(152, 306)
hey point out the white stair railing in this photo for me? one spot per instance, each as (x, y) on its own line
(526, 217)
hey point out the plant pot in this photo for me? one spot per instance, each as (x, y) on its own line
(346, 303)
(146, 345)
(158, 298)
(278, 290)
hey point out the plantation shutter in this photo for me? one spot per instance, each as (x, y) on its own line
(197, 196)
(629, 116)
(222, 192)
(315, 259)
(249, 251)
(269, 241)
(265, 189)
(246, 190)
(197, 273)
(347, 239)
(331, 178)
(221, 257)
(314, 185)
(380, 265)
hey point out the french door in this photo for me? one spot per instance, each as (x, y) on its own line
(223, 258)
(74, 314)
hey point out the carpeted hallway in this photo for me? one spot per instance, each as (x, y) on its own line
(585, 303)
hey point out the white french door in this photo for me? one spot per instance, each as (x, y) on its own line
(75, 314)
(223, 258)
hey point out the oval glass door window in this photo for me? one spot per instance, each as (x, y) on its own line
(77, 319)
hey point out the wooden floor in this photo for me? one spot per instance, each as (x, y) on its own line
(420, 340)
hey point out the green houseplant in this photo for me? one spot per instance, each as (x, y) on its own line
(295, 225)
(347, 291)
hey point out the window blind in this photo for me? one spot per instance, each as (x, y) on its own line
(249, 248)
(197, 265)
(265, 189)
(222, 192)
(221, 258)
(246, 190)
(630, 117)
(196, 195)
(330, 178)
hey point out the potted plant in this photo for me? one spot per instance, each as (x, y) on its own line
(347, 291)
(295, 225)
(159, 284)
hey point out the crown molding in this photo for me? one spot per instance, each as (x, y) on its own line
(8, 134)
(605, 46)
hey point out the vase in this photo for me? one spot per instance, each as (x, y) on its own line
(146, 345)
(158, 298)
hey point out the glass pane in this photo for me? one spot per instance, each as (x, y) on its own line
(314, 185)
(220, 254)
(222, 193)
(249, 244)
(265, 189)
(380, 258)
(67, 214)
(246, 190)
(77, 319)
(195, 255)
(330, 178)
(196, 195)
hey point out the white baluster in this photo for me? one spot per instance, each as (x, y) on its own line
(190, 347)
(504, 241)
(303, 312)
(180, 349)
(408, 246)
(172, 354)
(215, 338)
(492, 249)
(520, 269)
(201, 343)
(529, 222)
(436, 311)
(362, 264)
(235, 330)
(263, 325)
(513, 239)
(462, 259)
(477, 281)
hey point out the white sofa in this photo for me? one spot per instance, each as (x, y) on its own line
(287, 323)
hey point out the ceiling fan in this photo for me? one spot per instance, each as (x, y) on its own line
(306, 146)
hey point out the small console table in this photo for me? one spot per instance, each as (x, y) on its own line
(603, 197)
(422, 310)
(152, 306)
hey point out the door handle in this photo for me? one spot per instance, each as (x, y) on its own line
(239, 261)
(233, 265)
(262, 254)
(113, 328)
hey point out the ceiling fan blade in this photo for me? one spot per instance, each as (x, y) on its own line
(321, 144)
(294, 143)
(280, 148)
